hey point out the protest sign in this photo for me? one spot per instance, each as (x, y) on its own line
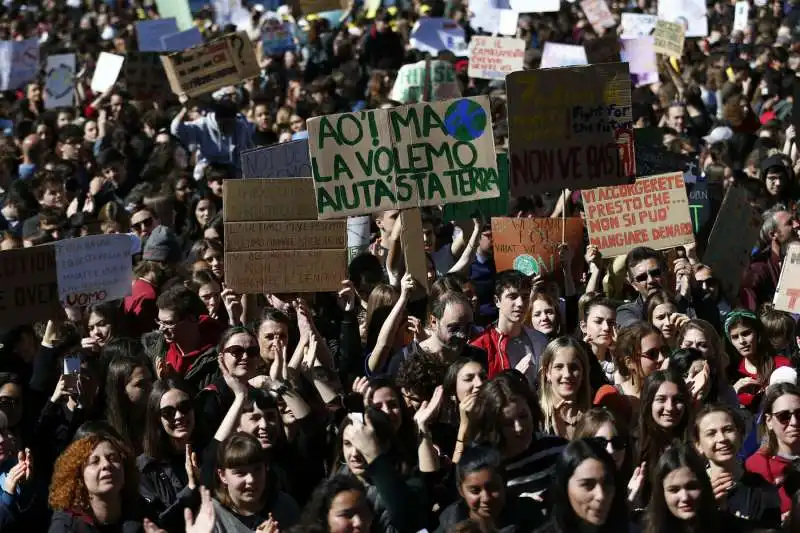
(691, 14)
(175, 42)
(284, 160)
(203, 69)
(149, 33)
(410, 156)
(485, 209)
(492, 58)
(570, 128)
(177, 9)
(106, 71)
(603, 49)
(509, 21)
(637, 24)
(59, 85)
(652, 212)
(668, 38)
(557, 55)
(434, 35)
(740, 16)
(529, 6)
(358, 236)
(639, 54)
(598, 14)
(484, 17)
(94, 269)
(28, 285)
(732, 238)
(19, 63)
(309, 7)
(787, 294)
(413, 245)
(530, 245)
(229, 12)
(408, 86)
(273, 242)
(144, 76)
(278, 36)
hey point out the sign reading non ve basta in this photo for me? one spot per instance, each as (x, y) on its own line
(410, 156)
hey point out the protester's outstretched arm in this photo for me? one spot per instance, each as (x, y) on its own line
(595, 260)
(231, 420)
(383, 346)
(468, 254)
(394, 256)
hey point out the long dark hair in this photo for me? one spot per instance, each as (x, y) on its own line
(314, 518)
(495, 395)
(681, 361)
(156, 443)
(123, 415)
(659, 519)
(562, 514)
(764, 352)
(194, 231)
(773, 393)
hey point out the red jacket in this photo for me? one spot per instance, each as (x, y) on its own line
(771, 468)
(496, 346)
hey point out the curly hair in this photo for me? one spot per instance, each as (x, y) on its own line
(67, 488)
(420, 374)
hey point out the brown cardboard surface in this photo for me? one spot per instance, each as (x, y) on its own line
(285, 271)
(28, 285)
(257, 200)
(414, 246)
(668, 38)
(289, 235)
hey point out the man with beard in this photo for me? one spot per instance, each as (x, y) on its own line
(451, 323)
(712, 291)
(780, 228)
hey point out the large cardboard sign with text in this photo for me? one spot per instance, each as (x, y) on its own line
(570, 128)
(203, 69)
(787, 295)
(273, 242)
(493, 58)
(530, 245)
(410, 156)
(28, 285)
(652, 212)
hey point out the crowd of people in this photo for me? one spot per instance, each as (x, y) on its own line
(636, 396)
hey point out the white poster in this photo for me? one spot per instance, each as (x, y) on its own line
(59, 85)
(639, 54)
(509, 21)
(557, 55)
(94, 269)
(637, 24)
(493, 58)
(690, 13)
(434, 35)
(358, 235)
(529, 6)
(106, 71)
(741, 12)
(484, 17)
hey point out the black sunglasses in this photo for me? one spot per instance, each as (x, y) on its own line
(653, 273)
(617, 443)
(238, 351)
(7, 402)
(185, 407)
(654, 353)
(785, 416)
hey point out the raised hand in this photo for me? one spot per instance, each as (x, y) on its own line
(206, 516)
(192, 470)
(429, 409)
(636, 482)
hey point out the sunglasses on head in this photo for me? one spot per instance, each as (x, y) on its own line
(185, 407)
(784, 417)
(617, 443)
(238, 351)
(653, 273)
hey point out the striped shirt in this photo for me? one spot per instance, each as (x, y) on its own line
(532, 470)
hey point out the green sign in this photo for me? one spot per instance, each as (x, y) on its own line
(490, 207)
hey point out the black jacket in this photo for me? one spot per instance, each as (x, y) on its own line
(520, 515)
(68, 522)
(163, 484)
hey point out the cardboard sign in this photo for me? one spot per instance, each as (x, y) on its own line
(59, 85)
(740, 15)
(485, 209)
(732, 238)
(492, 58)
(106, 71)
(637, 25)
(410, 156)
(556, 55)
(273, 242)
(652, 212)
(144, 76)
(787, 295)
(358, 235)
(149, 33)
(19, 63)
(530, 245)
(278, 37)
(309, 7)
(177, 9)
(29, 289)
(175, 42)
(284, 160)
(414, 246)
(94, 269)
(434, 35)
(408, 86)
(668, 38)
(598, 14)
(570, 128)
(228, 60)
(691, 14)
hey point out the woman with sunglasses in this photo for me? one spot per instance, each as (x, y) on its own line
(600, 424)
(717, 434)
(168, 473)
(756, 358)
(780, 427)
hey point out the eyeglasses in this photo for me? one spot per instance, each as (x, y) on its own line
(168, 412)
(653, 273)
(617, 443)
(238, 352)
(784, 417)
(654, 354)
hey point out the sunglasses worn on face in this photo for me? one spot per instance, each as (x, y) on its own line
(653, 273)
(7, 402)
(238, 352)
(185, 407)
(617, 443)
(654, 354)
(275, 336)
(784, 417)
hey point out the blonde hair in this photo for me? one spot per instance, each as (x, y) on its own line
(547, 398)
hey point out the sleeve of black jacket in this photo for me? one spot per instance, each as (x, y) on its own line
(399, 495)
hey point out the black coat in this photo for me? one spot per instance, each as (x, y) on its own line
(163, 484)
(67, 522)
